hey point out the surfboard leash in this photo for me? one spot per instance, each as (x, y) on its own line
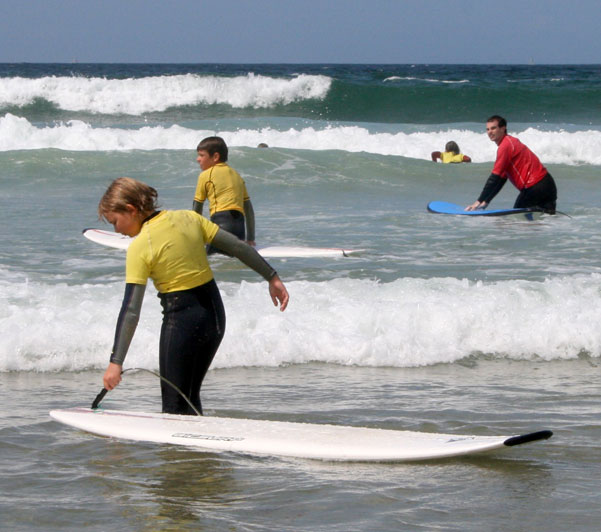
(104, 391)
(565, 214)
(543, 211)
(538, 209)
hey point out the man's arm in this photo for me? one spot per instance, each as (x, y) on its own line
(491, 188)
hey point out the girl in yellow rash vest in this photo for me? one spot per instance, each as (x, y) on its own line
(451, 154)
(170, 250)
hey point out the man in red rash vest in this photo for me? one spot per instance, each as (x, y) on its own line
(522, 167)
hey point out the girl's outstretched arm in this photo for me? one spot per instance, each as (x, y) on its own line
(248, 255)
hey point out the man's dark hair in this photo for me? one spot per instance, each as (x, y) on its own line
(499, 119)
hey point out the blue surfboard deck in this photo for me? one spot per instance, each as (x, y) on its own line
(444, 207)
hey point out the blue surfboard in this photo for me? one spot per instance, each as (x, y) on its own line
(444, 207)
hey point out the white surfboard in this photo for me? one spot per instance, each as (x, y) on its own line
(304, 252)
(119, 241)
(280, 438)
(108, 238)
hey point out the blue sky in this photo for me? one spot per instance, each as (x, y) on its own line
(301, 31)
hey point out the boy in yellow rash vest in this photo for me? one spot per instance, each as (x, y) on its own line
(451, 154)
(229, 202)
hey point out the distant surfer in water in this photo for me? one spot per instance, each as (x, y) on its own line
(229, 202)
(451, 154)
(170, 250)
(522, 167)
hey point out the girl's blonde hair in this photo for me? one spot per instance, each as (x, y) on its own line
(452, 147)
(127, 191)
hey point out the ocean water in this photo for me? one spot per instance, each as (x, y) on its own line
(443, 324)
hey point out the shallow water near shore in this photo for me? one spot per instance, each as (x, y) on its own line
(84, 481)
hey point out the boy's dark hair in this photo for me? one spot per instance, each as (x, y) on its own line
(498, 119)
(214, 145)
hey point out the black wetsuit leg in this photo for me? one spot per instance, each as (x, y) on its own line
(542, 195)
(193, 327)
(231, 221)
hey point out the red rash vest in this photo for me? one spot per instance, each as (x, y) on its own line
(516, 162)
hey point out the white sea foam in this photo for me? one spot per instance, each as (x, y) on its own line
(553, 147)
(427, 80)
(150, 94)
(405, 323)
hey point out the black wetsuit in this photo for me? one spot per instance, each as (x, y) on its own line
(233, 222)
(542, 195)
(193, 327)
